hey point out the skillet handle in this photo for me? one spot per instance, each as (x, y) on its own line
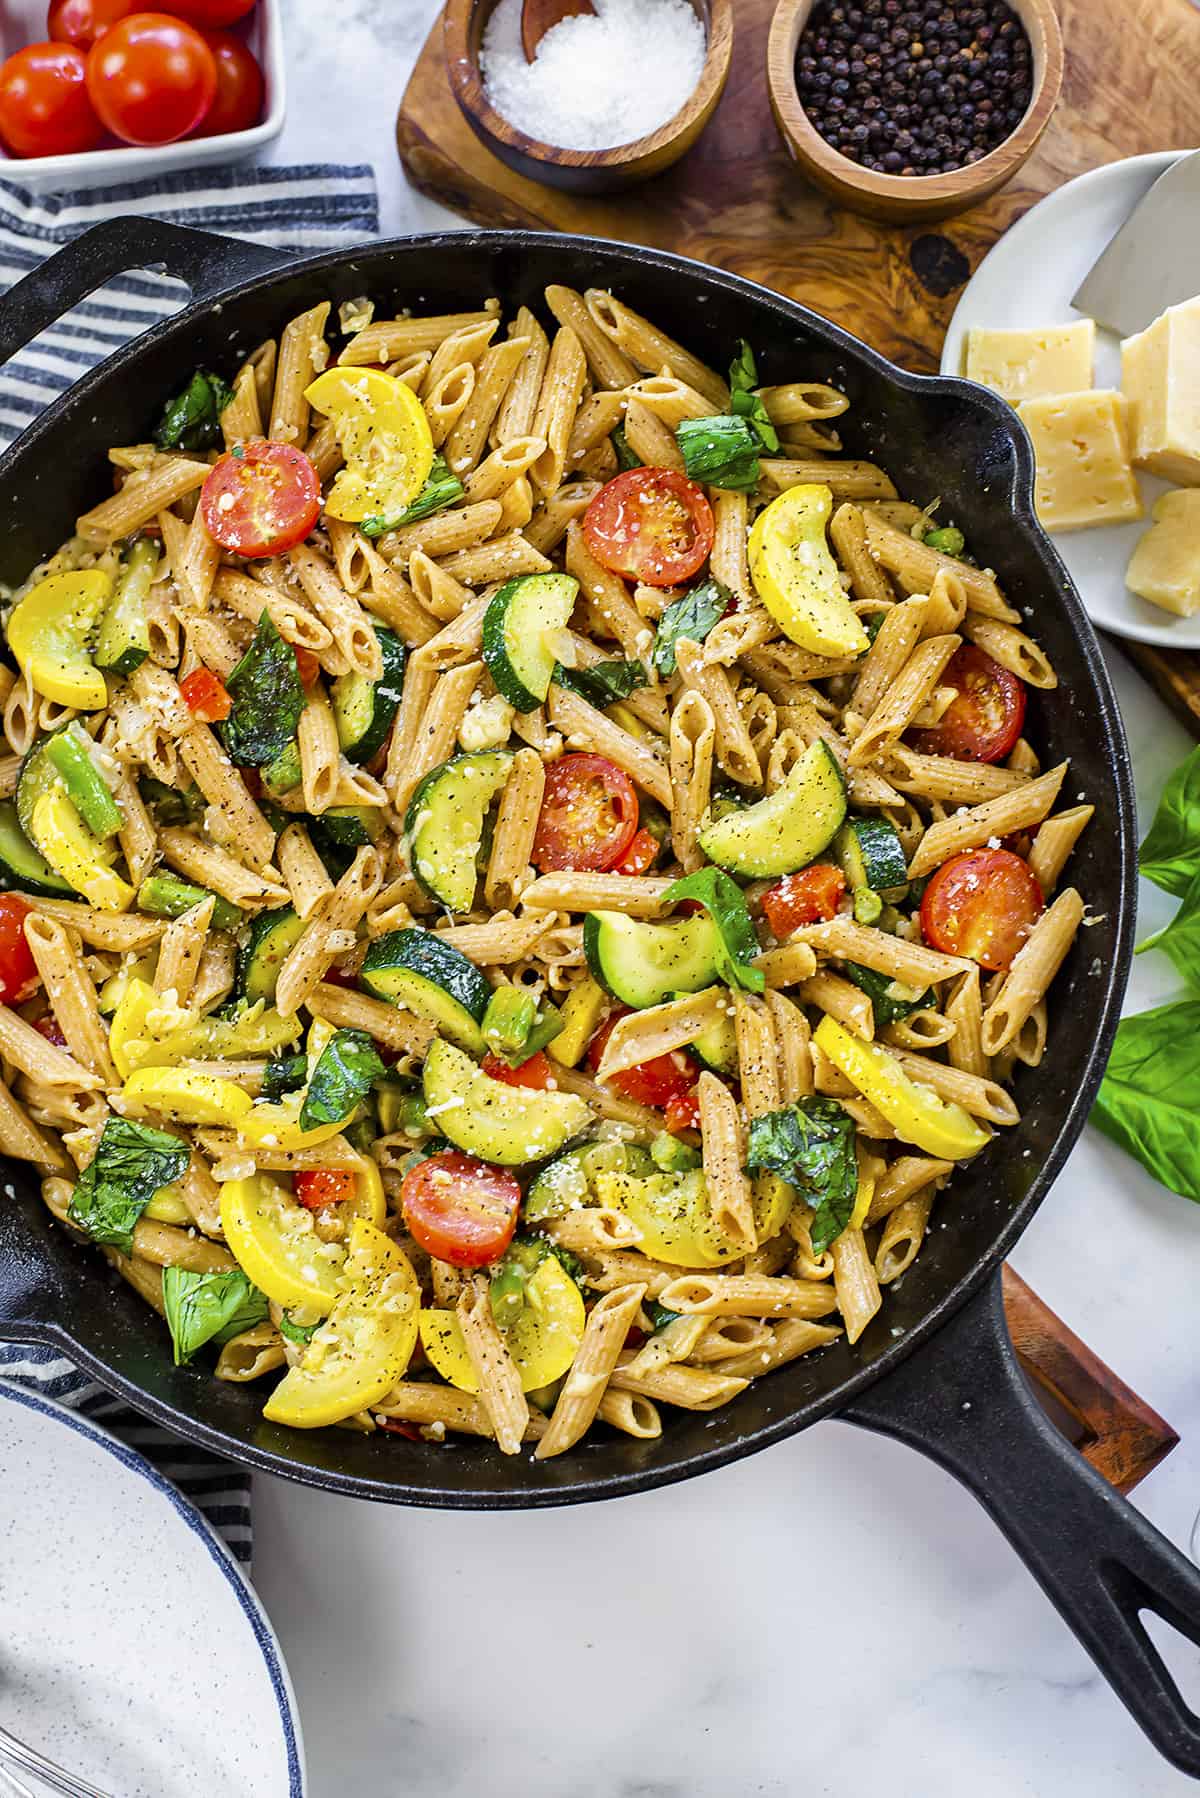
(206, 261)
(964, 1401)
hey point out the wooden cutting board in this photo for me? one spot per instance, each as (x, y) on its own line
(737, 202)
(1132, 76)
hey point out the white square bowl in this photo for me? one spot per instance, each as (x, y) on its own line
(24, 22)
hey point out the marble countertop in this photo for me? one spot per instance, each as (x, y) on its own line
(830, 1615)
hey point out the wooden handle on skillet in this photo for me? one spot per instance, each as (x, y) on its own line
(963, 1401)
(204, 260)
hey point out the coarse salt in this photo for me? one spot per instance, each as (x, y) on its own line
(596, 82)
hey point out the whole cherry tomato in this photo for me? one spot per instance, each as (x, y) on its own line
(982, 904)
(650, 524)
(44, 105)
(239, 97)
(151, 78)
(83, 21)
(261, 499)
(459, 1209)
(984, 721)
(589, 815)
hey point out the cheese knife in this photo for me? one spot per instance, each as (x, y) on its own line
(1154, 260)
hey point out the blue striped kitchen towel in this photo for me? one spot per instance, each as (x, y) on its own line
(313, 207)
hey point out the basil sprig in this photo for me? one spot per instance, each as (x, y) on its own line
(210, 1307)
(604, 684)
(692, 615)
(192, 419)
(442, 488)
(268, 698)
(131, 1163)
(723, 450)
(346, 1069)
(724, 901)
(810, 1145)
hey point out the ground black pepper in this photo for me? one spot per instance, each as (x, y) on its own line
(914, 87)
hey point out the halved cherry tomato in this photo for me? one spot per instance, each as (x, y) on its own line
(982, 904)
(209, 12)
(205, 696)
(589, 815)
(317, 1186)
(83, 21)
(984, 721)
(459, 1209)
(51, 1029)
(238, 101)
(151, 78)
(18, 970)
(44, 104)
(650, 524)
(804, 898)
(261, 500)
(641, 854)
(308, 665)
(683, 1112)
(536, 1071)
(658, 1082)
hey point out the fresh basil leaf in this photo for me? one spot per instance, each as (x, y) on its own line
(692, 615)
(286, 1074)
(442, 488)
(745, 403)
(659, 1316)
(209, 1307)
(811, 1146)
(346, 1068)
(604, 684)
(1147, 1099)
(268, 699)
(721, 451)
(192, 420)
(725, 903)
(570, 1264)
(625, 456)
(131, 1163)
(1170, 855)
(1180, 939)
(300, 1334)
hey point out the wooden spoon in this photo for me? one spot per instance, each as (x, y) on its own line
(538, 16)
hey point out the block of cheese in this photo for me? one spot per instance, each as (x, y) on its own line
(1081, 444)
(1165, 566)
(1024, 365)
(1160, 377)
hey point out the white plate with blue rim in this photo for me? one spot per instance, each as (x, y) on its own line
(1026, 280)
(132, 1650)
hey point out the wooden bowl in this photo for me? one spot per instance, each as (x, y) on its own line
(583, 171)
(893, 198)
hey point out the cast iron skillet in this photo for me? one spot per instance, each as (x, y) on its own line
(936, 1368)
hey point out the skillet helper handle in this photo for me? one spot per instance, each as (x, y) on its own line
(204, 260)
(965, 1403)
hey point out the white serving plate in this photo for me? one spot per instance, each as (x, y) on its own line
(132, 1650)
(1026, 280)
(24, 22)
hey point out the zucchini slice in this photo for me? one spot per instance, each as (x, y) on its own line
(416, 969)
(37, 775)
(351, 826)
(643, 964)
(364, 709)
(519, 628)
(509, 1125)
(273, 935)
(123, 640)
(872, 855)
(716, 1047)
(444, 824)
(789, 828)
(20, 863)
